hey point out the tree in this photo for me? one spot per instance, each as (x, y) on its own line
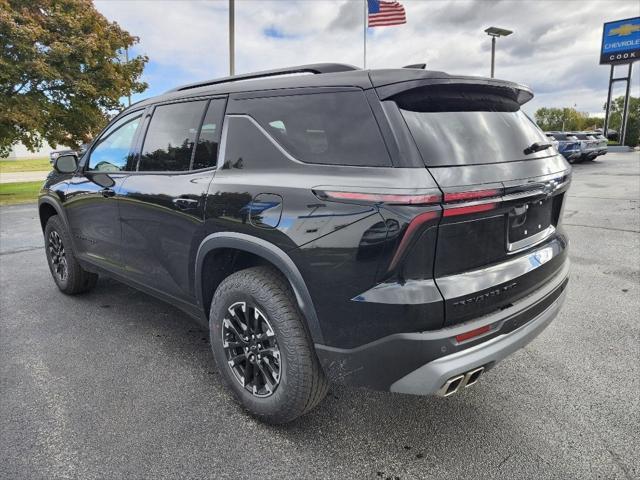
(633, 122)
(61, 72)
(563, 119)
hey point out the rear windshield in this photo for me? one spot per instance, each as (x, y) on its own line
(583, 136)
(469, 128)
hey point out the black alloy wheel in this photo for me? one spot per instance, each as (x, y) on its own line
(261, 345)
(58, 256)
(65, 269)
(251, 348)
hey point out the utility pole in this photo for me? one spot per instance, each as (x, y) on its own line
(493, 55)
(364, 34)
(232, 46)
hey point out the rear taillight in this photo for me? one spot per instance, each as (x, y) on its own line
(379, 198)
(409, 234)
(471, 201)
(468, 209)
(471, 195)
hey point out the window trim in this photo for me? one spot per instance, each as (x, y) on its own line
(86, 159)
(150, 110)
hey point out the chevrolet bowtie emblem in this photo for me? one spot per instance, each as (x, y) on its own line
(624, 30)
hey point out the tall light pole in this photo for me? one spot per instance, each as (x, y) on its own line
(232, 38)
(494, 32)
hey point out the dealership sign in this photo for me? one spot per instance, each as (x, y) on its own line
(621, 41)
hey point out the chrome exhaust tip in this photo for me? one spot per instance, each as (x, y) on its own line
(451, 386)
(465, 380)
(472, 377)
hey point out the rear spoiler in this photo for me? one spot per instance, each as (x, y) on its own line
(387, 85)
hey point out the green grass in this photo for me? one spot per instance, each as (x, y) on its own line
(22, 192)
(31, 165)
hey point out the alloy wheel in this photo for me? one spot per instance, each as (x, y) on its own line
(58, 256)
(251, 348)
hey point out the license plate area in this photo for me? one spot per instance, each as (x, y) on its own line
(529, 224)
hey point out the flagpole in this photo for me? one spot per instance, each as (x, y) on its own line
(232, 33)
(364, 33)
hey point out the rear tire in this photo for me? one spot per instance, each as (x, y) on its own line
(257, 302)
(69, 276)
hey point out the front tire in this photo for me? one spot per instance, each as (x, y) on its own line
(69, 276)
(262, 347)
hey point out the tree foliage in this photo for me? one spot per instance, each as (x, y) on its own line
(60, 72)
(566, 119)
(569, 119)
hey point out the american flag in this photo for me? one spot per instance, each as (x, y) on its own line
(383, 14)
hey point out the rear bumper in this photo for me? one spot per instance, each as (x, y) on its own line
(431, 377)
(571, 154)
(421, 363)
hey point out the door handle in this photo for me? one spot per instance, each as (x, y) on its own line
(107, 192)
(185, 203)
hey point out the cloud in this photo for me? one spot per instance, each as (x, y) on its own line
(349, 16)
(554, 48)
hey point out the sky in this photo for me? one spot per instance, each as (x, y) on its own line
(554, 48)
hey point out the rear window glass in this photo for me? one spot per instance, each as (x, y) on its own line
(324, 128)
(206, 153)
(171, 136)
(469, 127)
(582, 136)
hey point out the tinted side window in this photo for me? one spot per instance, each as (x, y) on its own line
(111, 152)
(326, 128)
(170, 137)
(207, 147)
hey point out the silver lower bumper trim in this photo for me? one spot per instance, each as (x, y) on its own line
(430, 378)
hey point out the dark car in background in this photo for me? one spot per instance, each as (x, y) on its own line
(395, 229)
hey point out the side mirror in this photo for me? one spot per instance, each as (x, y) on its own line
(101, 179)
(66, 163)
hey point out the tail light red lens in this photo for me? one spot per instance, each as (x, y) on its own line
(409, 234)
(391, 199)
(468, 209)
(471, 195)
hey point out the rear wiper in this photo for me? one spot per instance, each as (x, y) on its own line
(536, 147)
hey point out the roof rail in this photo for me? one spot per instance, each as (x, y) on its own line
(315, 68)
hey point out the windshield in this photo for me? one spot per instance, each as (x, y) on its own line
(474, 137)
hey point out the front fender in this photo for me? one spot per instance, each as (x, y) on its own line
(52, 200)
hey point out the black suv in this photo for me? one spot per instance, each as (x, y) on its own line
(395, 229)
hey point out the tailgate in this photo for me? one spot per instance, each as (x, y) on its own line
(502, 247)
(503, 190)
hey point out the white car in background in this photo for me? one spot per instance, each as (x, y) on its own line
(602, 143)
(589, 146)
(56, 153)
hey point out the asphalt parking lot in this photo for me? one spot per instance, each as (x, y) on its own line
(116, 384)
